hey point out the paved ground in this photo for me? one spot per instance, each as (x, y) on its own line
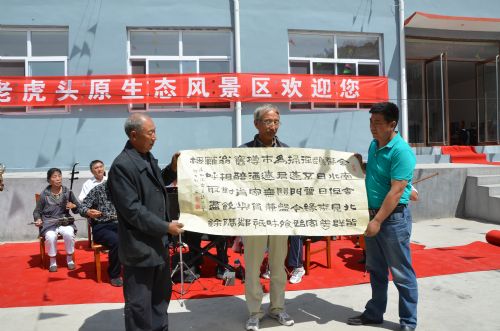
(467, 301)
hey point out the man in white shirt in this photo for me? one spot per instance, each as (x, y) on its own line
(97, 169)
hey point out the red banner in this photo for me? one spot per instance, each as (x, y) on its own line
(176, 88)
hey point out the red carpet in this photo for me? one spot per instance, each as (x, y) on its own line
(465, 154)
(24, 283)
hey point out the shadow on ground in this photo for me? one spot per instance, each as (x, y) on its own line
(230, 313)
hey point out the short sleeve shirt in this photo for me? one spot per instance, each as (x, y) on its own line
(394, 161)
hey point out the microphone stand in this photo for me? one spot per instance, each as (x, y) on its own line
(180, 267)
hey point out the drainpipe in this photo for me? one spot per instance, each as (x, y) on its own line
(402, 61)
(237, 62)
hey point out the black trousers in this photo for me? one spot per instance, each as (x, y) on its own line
(147, 292)
(193, 239)
(107, 234)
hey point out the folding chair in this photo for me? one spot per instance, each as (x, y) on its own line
(309, 252)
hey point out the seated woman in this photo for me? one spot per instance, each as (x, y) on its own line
(50, 214)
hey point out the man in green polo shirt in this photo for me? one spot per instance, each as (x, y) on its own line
(389, 172)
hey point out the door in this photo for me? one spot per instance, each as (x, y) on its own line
(488, 101)
(436, 100)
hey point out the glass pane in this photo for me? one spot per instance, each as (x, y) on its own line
(214, 66)
(138, 68)
(188, 67)
(415, 102)
(368, 70)
(171, 67)
(13, 43)
(300, 68)
(490, 96)
(323, 68)
(310, 45)
(434, 103)
(200, 43)
(11, 68)
(49, 43)
(358, 47)
(462, 102)
(46, 68)
(481, 102)
(164, 67)
(346, 68)
(154, 43)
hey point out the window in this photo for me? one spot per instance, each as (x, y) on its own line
(333, 54)
(40, 52)
(180, 52)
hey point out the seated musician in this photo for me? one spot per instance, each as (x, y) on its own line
(295, 259)
(193, 240)
(102, 213)
(97, 169)
(51, 215)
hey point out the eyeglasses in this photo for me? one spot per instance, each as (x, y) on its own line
(271, 122)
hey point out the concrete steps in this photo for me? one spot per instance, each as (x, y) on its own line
(482, 197)
(494, 189)
(426, 155)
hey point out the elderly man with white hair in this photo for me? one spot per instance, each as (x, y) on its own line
(267, 123)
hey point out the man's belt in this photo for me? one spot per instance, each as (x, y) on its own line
(399, 209)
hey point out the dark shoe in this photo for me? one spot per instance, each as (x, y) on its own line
(116, 282)
(362, 320)
(189, 278)
(406, 328)
(220, 273)
(193, 270)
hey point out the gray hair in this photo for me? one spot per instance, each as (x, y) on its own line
(264, 109)
(134, 122)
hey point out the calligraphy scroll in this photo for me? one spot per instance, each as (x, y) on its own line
(272, 191)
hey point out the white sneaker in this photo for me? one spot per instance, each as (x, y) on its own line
(297, 275)
(252, 324)
(283, 318)
(267, 274)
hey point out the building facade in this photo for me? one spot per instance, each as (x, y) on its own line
(451, 71)
(450, 62)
